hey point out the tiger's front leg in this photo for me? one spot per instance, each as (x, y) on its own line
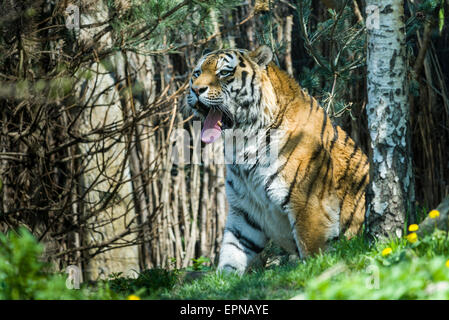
(243, 240)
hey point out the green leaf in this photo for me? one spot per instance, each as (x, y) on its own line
(441, 15)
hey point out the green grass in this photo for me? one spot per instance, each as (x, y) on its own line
(353, 269)
(23, 276)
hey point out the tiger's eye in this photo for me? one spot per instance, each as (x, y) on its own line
(224, 73)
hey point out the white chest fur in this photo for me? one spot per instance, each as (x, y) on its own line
(259, 191)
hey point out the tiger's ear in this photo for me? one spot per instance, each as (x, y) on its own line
(262, 55)
(206, 51)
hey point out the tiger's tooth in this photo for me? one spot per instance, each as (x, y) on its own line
(220, 124)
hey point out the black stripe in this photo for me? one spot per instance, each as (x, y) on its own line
(361, 183)
(346, 138)
(323, 128)
(244, 241)
(235, 245)
(328, 164)
(227, 265)
(316, 174)
(293, 231)
(278, 121)
(234, 170)
(334, 139)
(244, 74)
(278, 171)
(315, 155)
(351, 216)
(252, 84)
(311, 107)
(348, 189)
(251, 169)
(295, 141)
(297, 249)
(230, 56)
(348, 164)
(253, 166)
(280, 115)
(248, 219)
(358, 187)
(231, 185)
(234, 90)
(356, 168)
(241, 60)
(323, 183)
(244, 173)
(268, 137)
(261, 151)
(290, 189)
(316, 152)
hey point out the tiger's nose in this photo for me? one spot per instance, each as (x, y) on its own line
(199, 89)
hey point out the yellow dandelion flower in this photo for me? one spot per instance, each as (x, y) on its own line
(412, 237)
(413, 227)
(434, 214)
(447, 263)
(386, 252)
(133, 297)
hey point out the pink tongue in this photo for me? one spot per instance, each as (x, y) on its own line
(211, 130)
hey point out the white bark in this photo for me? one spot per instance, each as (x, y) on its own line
(391, 190)
(288, 44)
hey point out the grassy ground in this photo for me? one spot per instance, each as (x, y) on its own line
(396, 269)
(353, 270)
(404, 268)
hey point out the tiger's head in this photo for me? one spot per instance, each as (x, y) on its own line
(226, 90)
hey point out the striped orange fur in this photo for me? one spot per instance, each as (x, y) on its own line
(313, 192)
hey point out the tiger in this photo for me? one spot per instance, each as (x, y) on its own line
(311, 193)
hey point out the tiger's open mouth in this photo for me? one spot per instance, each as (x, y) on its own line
(215, 121)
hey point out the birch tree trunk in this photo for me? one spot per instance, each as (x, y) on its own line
(288, 44)
(390, 196)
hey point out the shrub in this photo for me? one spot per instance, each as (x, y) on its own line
(23, 276)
